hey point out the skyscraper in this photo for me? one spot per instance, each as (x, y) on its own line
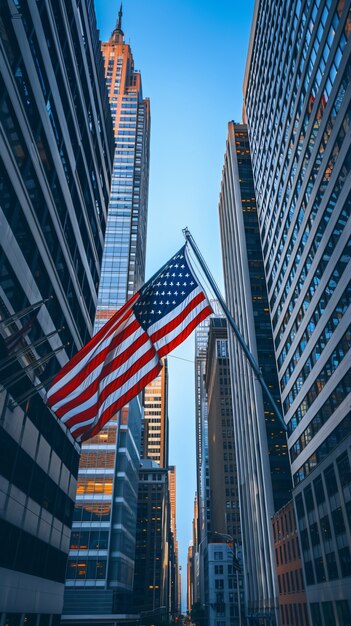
(174, 563)
(155, 421)
(151, 580)
(201, 428)
(297, 103)
(101, 564)
(55, 171)
(261, 446)
(222, 585)
(224, 497)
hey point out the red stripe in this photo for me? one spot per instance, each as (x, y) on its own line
(81, 376)
(185, 333)
(175, 321)
(106, 370)
(113, 386)
(134, 391)
(94, 341)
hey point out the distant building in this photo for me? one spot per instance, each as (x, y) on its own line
(55, 173)
(224, 491)
(221, 583)
(261, 446)
(224, 496)
(297, 106)
(151, 578)
(190, 578)
(292, 595)
(105, 516)
(201, 425)
(154, 443)
(174, 562)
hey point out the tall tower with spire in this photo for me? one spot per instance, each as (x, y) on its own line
(102, 557)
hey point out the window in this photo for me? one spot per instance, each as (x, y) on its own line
(330, 481)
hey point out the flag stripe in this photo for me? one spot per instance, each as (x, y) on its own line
(185, 332)
(125, 355)
(90, 396)
(83, 356)
(134, 391)
(130, 391)
(168, 318)
(174, 332)
(119, 343)
(114, 385)
(175, 321)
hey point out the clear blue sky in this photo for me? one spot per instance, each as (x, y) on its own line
(191, 54)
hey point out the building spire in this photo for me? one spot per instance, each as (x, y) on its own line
(119, 22)
(118, 34)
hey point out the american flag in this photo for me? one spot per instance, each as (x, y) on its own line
(125, 355)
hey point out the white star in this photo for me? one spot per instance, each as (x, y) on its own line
(192, 283)
(182, 293)
(187, 275)
(173, 302)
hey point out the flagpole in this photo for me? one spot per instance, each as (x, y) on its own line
(23, 312)
(189, 238)
(30, 346)
(15, 378)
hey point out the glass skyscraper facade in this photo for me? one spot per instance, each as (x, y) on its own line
(297, 96)
(123, 266)
(102, 553)
(56, 145)
(260, 443)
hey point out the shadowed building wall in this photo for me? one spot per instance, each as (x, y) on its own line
(297, 104)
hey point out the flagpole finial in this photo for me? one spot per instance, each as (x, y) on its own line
(186, 233)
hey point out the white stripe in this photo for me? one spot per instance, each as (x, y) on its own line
(94, 374)
(170, 316)
(108, 379)
(104, 342)
(115, 395)
(179, 329)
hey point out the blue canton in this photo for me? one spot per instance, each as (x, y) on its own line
(165, 291)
